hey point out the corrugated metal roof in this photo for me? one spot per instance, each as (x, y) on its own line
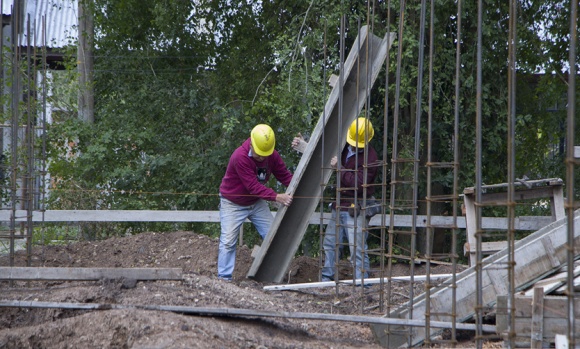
(60, 17)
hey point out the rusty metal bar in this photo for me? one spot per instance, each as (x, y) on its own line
(570, 168)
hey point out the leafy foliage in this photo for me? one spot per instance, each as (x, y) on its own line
(179, 85)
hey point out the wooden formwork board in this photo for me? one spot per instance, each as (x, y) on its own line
(49, 216)
(531, 223)
(88, 274)
(358, 75)
(533, 323)
(536, 255)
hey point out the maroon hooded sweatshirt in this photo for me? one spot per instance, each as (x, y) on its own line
(245, 178)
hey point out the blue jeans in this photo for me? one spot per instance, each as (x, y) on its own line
(346, 227)
(232, 216)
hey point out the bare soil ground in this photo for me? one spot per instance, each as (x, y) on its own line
(196, 255)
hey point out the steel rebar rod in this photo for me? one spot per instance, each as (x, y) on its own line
(570, 162)
(478, 181)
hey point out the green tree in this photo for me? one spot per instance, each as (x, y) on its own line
(179, 85)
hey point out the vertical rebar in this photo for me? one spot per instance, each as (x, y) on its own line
(455, 229)
(570, 164)
(322, 164)
(429, 228)
(478, 181)
(28, 175)
(511, 155)
(341, 147)
(416, 156)
(384, 164)
(43, 155)
(364, 229)
(14, 124)
(395, 153)
(339, 137)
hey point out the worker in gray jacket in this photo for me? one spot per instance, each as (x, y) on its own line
(345, 216)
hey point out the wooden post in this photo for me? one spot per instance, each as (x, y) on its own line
(471, 227)
(557, 203)
(537, 318)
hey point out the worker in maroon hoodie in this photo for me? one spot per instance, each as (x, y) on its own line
(243, 192)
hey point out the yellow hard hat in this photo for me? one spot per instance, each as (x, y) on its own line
(263, 140)
(358, 130)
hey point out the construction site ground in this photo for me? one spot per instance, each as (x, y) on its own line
(196, 255)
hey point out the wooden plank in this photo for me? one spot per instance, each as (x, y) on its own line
(530, 223)
(564, 288)
(551, 252)
(519, 195)
(554, 307)
(556, 283)
(526, 318)
(548, 285)
(537, 318)
(533, 183)
(471, 227)
(493, 246)
(127, 216)
(552, 327)
(88, 274)
(501, 314)
(557, 203)
(112, 216)
(498, 280)
(370, 281)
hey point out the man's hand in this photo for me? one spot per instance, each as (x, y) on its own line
(333, 162)
(299, 144)
(284, 199)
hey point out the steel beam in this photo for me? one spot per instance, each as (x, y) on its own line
(359, 73)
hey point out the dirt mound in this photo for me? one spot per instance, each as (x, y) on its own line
(130, 326)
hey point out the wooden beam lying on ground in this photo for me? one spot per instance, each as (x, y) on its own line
(236, 312)
(370, 281)
(88, 274)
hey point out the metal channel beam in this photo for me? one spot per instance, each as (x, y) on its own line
(290, 223)
(536, 255)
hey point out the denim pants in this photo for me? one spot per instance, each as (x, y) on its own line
(232, 216)
(346, 228)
